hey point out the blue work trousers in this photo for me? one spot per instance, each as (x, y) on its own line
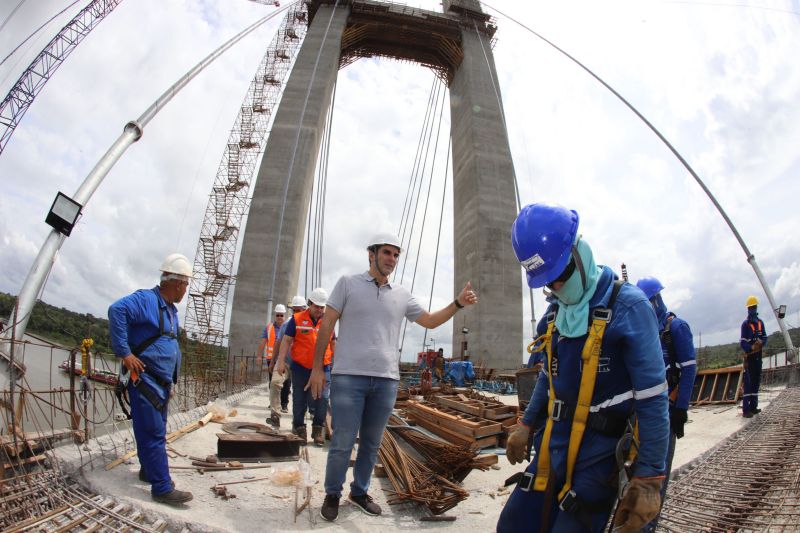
(361, 406)
(752, 382)
(525, 509)
(150, 431)
(302, 399)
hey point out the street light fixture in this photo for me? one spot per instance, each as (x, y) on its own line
(63, 214)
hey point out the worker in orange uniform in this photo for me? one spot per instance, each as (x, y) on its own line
(266, 348)
(300, 337)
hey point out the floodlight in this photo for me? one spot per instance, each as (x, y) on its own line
(63, 214)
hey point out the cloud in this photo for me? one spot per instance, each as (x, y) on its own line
(719, 82)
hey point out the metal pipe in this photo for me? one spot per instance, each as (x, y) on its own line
(131, 133)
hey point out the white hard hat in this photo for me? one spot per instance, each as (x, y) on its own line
(298, 301)
(384, 238)
(319, 296)
(177, 264)
(280, 308)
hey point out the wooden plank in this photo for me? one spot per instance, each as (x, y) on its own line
(465, 425)
(454, 437)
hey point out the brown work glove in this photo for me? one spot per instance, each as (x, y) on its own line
(517, 445)
(641, 502)
(756, 346)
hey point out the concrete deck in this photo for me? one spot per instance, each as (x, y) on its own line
(264, 506)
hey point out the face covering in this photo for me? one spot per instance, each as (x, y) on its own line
(752, 314)
(660, 308)
(572, 319)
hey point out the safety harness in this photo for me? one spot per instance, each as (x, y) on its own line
(581, 417)
(121, 388)
(674, 370)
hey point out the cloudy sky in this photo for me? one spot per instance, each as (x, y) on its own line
(716, 78)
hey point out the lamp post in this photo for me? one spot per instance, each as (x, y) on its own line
(434, 344)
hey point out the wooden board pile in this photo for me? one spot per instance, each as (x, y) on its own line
(468, 418)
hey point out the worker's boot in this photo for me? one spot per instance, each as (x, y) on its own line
(318, 435)
(274, 419)
(300, 431)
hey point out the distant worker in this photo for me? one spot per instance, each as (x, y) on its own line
(300, 336)
(603, 370)
(680, 362)
(266, 348)
(144, 334)
(754, 338)
(370, 310)
(438, 366)
(281, 385)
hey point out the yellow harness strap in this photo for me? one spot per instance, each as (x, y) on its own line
(590, 357)
(543, 464)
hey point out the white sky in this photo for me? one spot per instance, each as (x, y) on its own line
(718, 79)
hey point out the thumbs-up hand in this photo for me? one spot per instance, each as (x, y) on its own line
(467, 296)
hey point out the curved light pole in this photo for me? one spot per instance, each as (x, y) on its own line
(131, 133)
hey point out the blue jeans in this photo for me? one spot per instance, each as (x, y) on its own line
(150, 431)
(302, 400)
(361, 406)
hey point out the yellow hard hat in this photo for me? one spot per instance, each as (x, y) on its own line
(751, 301)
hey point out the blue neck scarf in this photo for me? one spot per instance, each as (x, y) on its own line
(752, 314)
(572, 319)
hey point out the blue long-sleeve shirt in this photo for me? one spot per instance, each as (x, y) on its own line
(752, 331)
(630, 378)
(685, 359)
(135, 318)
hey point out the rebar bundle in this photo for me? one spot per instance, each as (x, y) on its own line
(749, 483)
(413, 481)
(452, 461)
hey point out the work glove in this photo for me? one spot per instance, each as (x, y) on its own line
(640, 503)
(517, 445)
(756, 346)
(677, 418)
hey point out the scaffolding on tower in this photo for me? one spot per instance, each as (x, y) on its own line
(228, 203)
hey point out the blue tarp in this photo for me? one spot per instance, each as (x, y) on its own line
(459, 372)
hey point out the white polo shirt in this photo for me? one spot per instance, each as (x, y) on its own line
(369, 325)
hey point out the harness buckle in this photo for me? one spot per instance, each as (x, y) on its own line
(602, 314)
(558, 410)
(526, 482)
(569, 502)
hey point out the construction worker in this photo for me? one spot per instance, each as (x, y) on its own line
(603, 371)
(266, 348)
(754, 338)
(144, 334)
(300, 336)
(438, 366)
(370, 311)
(680, 361)
(281, 385)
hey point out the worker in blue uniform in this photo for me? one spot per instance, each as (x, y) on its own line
(754, 338)
(602, 376)
(144, 335)
(681, 367)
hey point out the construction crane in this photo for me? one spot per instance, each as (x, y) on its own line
(32, 81)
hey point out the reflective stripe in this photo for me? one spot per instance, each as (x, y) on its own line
(649, 393)
(693, 362)
(619, 398)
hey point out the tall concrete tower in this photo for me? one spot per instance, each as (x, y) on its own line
(456, 44)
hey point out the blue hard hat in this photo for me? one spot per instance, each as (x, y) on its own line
(650, 286)
(542, 237)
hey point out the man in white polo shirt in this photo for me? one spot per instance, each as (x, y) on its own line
(366, 374)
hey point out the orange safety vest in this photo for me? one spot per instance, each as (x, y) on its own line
(270, 341)
(305, 340)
